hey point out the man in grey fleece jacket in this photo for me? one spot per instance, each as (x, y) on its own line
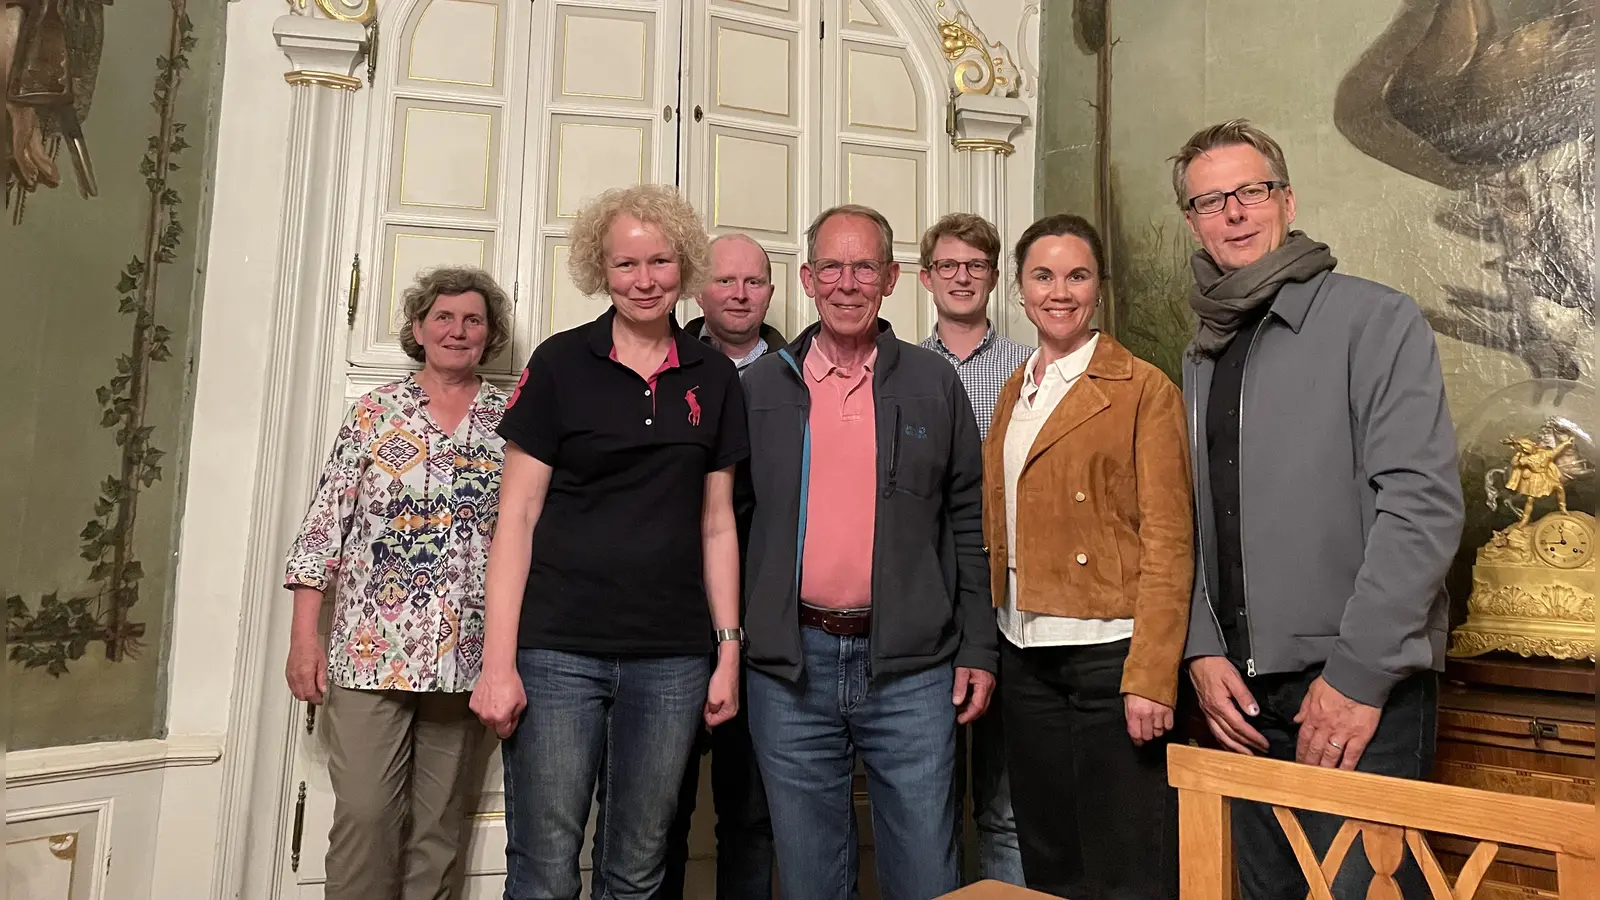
(1328, 502)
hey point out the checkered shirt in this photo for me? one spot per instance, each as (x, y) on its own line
(985, 372)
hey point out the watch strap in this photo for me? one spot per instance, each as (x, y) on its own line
(730, 634)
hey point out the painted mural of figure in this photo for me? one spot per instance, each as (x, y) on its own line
(49, 58)
(1497, 108)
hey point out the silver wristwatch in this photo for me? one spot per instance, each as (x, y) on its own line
(730, 634)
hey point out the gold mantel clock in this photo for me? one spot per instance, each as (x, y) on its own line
(1534, 581)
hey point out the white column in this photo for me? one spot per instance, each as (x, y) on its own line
(323, 56)
(985, 125)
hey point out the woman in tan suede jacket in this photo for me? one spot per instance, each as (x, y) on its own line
(1088, 523)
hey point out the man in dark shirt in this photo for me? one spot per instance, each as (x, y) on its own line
(1327, 502)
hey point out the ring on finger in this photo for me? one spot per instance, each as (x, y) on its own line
(1334, 744)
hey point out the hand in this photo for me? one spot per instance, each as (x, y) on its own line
(1334, 730)
(499, 700)
(1147, 719)
(307, 669)
(722, 695)
(971, 695)
(1222, 696)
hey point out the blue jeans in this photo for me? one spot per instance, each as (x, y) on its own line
(744, 829)
(1402, 747)
(999, 856)
(640, 715)
(806, 737)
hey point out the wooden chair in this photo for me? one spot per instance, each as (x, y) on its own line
(1390, 814)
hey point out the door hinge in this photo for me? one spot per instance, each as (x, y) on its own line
(822, 31)
(355, 290)
(299, 829)
(516, 292)
(372, 50)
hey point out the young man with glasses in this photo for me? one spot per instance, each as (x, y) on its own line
(1327, 502)
(960, 268)
(868, 620)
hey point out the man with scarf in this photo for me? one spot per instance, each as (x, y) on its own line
(1328, 504)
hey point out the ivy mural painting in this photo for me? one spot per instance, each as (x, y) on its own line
(113, 262)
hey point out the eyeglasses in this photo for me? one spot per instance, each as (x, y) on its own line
(1247, 195)
(978, 269)
(866, 271)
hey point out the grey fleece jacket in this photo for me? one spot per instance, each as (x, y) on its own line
(930, 574)
(1350, 497)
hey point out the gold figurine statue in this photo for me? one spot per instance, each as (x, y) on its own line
(1535, 474)
(1533, 584)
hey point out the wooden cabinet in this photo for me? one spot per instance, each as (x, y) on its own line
(1519, 727)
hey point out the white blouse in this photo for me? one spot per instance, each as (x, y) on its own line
(1033, 409)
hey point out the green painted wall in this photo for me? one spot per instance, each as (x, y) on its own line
(88, 666)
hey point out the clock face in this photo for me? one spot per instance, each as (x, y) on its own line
(1565, 542)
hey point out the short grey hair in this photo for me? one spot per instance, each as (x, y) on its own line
(885, 232)
(447, 281)
(1225, 134)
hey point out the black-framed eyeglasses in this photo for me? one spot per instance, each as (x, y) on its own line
(1247, 195)
(865, 271)
(977, 269)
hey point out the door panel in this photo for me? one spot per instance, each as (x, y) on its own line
(748, 141)
(444, 189)
(603, 116)
(881, 121)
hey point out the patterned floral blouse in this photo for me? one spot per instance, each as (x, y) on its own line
(400, 529)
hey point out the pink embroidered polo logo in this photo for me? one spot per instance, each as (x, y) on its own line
(694, 405)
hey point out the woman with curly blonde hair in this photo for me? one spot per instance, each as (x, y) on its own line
(616, 563)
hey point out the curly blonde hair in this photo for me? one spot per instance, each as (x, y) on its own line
(444, 281)
(653, 204)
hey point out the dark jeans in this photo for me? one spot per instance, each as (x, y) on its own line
(983, 743)
(1095, 817)
(639, 716)
(1401, 747)
(744, 827)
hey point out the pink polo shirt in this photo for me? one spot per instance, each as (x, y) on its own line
(841, 499)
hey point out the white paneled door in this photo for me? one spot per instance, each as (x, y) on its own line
(490, 123)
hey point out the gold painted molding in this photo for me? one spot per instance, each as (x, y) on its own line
(361, 13)
(981, 66)
(323, 79)
(1004, 148)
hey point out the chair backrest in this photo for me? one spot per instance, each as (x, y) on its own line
(1390, 814)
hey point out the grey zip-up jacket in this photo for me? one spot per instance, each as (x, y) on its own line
(930, 574)
(1349, 494)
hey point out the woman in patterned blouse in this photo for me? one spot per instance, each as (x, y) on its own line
(399, 533)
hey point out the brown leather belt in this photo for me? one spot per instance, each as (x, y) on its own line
(844, 623)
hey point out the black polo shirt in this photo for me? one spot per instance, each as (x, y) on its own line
(1222, 452)
(616, 567)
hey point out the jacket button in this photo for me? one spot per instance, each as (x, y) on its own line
(1081, 496)
(1083, 559)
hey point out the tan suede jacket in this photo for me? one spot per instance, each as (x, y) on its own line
(1105, 526)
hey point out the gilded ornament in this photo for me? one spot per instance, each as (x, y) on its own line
(360, 12)
(981, 66)
(1533, 582)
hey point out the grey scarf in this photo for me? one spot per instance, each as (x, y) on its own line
(1225, 300)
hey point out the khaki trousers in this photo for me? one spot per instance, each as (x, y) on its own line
(399, 764)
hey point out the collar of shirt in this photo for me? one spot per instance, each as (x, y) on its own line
(1065, 370)
(935, 342)
(819, 366)
(755, 353)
